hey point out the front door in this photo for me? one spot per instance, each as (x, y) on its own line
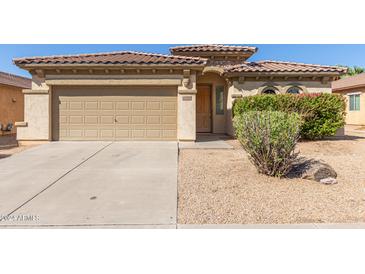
(203, 109)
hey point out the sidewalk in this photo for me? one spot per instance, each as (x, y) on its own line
(276, 226)
(205, 226)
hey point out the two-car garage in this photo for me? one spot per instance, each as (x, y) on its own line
(114, 113)
(122, 95)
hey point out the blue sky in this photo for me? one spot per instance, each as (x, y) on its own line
(315, 54)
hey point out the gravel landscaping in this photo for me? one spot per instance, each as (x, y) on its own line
(223, 187)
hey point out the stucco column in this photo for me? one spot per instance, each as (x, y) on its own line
(187, 109)
(229, 116)
(232, 94)
(36, 124)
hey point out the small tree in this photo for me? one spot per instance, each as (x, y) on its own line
(269, 138)
(351, 71)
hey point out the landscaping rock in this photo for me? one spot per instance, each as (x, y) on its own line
(312, 169)
(318, 170)
(328, 181)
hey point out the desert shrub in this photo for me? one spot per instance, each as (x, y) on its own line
(322, 114)
(269, 138)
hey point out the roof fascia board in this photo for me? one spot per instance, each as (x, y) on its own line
(13, 85)
(114, 82)
(115, 66)
(112, 76)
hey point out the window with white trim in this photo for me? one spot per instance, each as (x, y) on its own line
(269, 90)
(219, 100)
(294, 90)
(354, 100)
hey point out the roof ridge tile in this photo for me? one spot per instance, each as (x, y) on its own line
(109, 53)
(210, 47)
(297, 63)
(121, 57)
(281, 66)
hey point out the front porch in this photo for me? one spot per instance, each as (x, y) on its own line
(211, 104)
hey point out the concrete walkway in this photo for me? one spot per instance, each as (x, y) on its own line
(90, 184)
(207, 141)
(354, 130)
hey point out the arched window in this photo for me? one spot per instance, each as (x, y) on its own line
(269, 90)
(294, 90)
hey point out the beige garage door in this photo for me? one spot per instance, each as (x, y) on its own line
(114, 113)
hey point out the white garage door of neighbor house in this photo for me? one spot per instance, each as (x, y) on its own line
(114, 113)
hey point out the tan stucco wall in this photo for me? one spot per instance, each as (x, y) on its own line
(255, 87)
(37, 116)
(11, 105)
(229, 116)
(248, 88)
(186, 110)
(355, 117)
(218, 120)
(39, 83)
(37, 107)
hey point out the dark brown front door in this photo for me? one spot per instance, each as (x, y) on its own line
(203, 109)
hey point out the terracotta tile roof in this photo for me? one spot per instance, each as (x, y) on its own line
(15, 80)
(280, 66)
(112, 58)
(349, 82)
(213, 48)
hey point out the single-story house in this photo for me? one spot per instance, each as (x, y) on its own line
(145, 96)
(11, 100)
(353, 88)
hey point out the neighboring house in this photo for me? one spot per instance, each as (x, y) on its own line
(143, 96)
(353, 88)
(11, 100)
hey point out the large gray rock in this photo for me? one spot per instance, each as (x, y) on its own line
(312, 169)
(319, 170)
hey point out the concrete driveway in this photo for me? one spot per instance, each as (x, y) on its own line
(113, 184)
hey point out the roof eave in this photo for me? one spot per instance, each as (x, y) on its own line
(248, 74)
(340, 89)
(15, 85)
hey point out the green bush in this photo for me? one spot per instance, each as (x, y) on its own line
(269, 138)
(322, 113)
